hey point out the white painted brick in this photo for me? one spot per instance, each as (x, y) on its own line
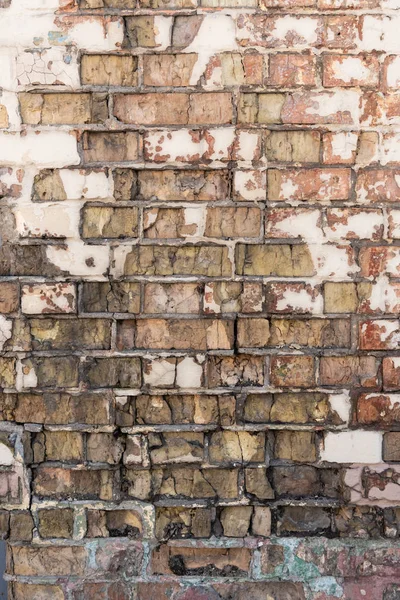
(352, 447)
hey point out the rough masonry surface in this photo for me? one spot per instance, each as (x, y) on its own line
(199, 299)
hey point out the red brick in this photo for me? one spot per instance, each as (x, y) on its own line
(292, 371)
(309, 184)
(291, 70)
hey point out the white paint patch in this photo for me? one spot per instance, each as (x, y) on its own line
(390, 148)
(383, 295)
(343, 145)
(189, 373)
(326, 104)
(303, 224)
(341, 404)
(42, 298)
(48, 66)
(95, 34)
(332, 261)
(83, 184)
(5, 330)
(80, 259)
(160, 373)
(6, 456)
(363, 225)
(304, 28)
(363, 447)
(26, 377)
(195, 217)
(380, 33)
(163, 31)
(352, 67)
(393, 72)
(247, 145)
(250, 185)
(52, 220)
(301, 300)
(42, 149)
(216, 34)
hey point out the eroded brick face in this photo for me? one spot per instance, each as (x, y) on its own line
(199, 299)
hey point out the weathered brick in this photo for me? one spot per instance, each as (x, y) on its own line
(310, 184)
(349, 371)
(110, 146)
(292, 146)
(291, 70)
(56, 523)
(212, 261)
(292, 371)
(61, 483)
(109, 222)
(200, 561)
(108, 69)
(59, 109)
(187, 185)
(175, 334)
(70, 334)
(168, 69)
(174, 109)
(349, 71)
(113, 296)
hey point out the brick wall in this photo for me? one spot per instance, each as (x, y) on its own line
(199, 298)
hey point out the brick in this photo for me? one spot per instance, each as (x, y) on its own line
(9, 297)
(334, 107)
(58, 445)
(225, 297)
(349, 371)
(146, 31)
(56, 523)
(236, 447)
(172, 298)
(108, 222)
(212, 261)
(110, 147)
(200, 561)
(352, 446)
(187, 185)
(309, 184)
(109, 69)
(349, 71)
(279, 31)
(21, 527)
(292, 146)
(297, 446)
(61, 483)
(279, 260)
(63, 409)
(114, 296)
(181, 522)
(233, 222)
(47, 298)
(241, 370)
(175, 334)
(113, 372)
(292, 371)
(168, 69)
(49, 561)
(291, 70)
(294, 520)
(58, 109)
(25, 591)
(231, 68)
(391, 374)
(391, 446)
(340, 297)
(69, 334)
(379, 334)
(342, 32)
